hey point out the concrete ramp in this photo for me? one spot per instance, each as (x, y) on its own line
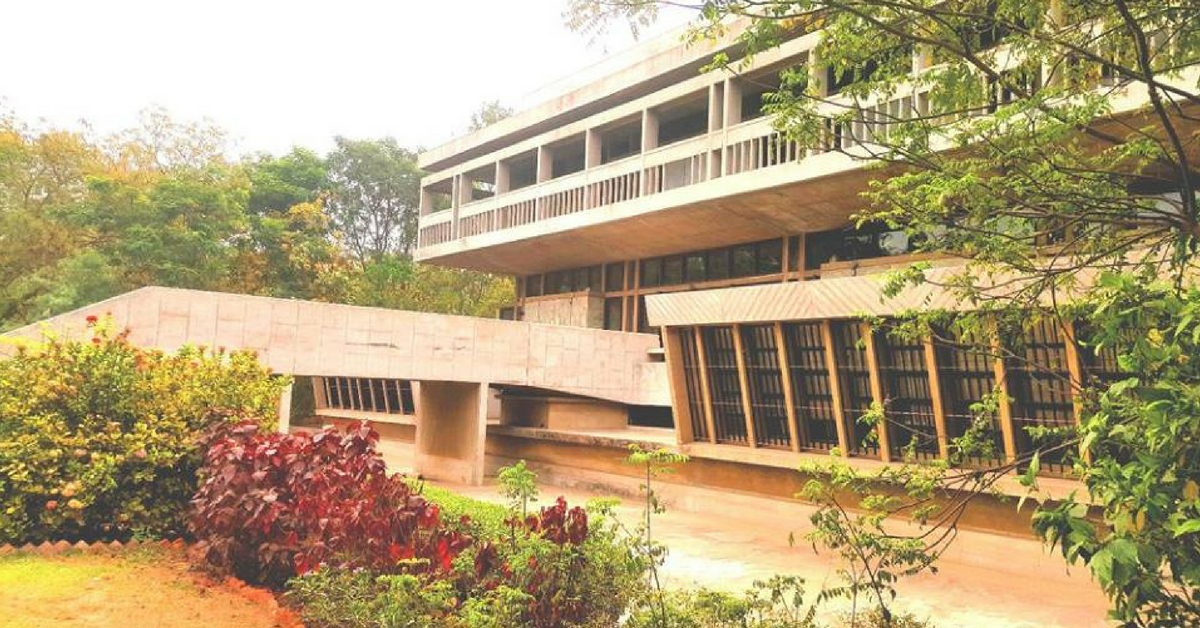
(452, 360)
(327, 339)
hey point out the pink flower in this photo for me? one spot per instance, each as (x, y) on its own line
(91, 319)
(52, 504)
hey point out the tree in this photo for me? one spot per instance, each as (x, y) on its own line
(488, 114)
(1057, 209)
(374, 196)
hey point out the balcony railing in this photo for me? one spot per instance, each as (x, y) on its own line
(747, 147)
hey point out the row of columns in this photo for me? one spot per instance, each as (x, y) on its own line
(683, 412)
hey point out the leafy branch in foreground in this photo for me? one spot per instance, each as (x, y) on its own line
(996, 131)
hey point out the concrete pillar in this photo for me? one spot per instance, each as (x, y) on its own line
(466, 186)
(649, 130)
(451, 431)
(716, 106)
(503, 177)
(816, 75)
(426, 202)
(733, 102)
(285, 409)
(545, 163)
(592, 145)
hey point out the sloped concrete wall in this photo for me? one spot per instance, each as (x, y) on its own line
(325, 339)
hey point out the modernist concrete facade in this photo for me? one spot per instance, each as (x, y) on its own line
(682, 268)
(660, 199)
(449, 364)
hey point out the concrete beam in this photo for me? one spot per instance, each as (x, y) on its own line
(451, 431)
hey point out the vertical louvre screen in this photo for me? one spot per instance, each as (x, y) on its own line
(691, 379)
(967, 376)
(912, 430)
(724, 385)
(1040, 386)
(767, 402)
(855, 380)
(389, 396)
(810, 386)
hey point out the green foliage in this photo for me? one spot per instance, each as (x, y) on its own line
(1142, 437)
(83, 219)
(486, 520)
(1014, 165)
(506, 580)
(100, 439)
(519, 484)
(339, 598)
(374, 197)
(854, 509)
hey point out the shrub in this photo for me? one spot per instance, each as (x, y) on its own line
(577, 569)
(272, 506)
(99, 439)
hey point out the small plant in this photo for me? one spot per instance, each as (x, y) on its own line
(654, 463)
(519, 484)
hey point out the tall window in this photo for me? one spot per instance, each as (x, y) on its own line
(724, 385)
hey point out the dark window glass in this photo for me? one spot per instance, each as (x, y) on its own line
(718, 264)
(794, 253)
(614, 277)
(651, 273)
(595, 279)
(770, 257)
(612, 313)
(582, 278)
(695, 269)
(508, 313)
(743, 260)
(820, 248)
(672, 271)
(533, 286)
(643, 322)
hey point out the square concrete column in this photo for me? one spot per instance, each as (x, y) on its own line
(503, 177)
(451, 431)
(545, 163)
(733, 102)
(649, 130)
(716, 106)
(285, 409)
(592, 148)
(426, 202)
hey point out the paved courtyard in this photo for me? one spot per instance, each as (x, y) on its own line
(984, 581)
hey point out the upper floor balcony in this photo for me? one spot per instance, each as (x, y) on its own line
(690, 165)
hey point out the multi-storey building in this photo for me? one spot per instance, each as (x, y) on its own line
(686, 276)
(657, 198)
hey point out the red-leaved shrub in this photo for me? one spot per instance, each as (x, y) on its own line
(271, 506)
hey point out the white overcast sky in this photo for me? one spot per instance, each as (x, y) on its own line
(276, 74)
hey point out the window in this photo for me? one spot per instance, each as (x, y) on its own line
(770, 257)
(718, 265)
(651, 273)
(614, 279)
(533, 286)
(695, 268)
(744, 263)
(724, 384)
(672, 273)
(612, 313)
(386, 396)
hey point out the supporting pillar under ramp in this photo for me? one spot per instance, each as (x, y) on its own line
(451, 430)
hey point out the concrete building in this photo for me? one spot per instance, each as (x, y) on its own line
(686, 276)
